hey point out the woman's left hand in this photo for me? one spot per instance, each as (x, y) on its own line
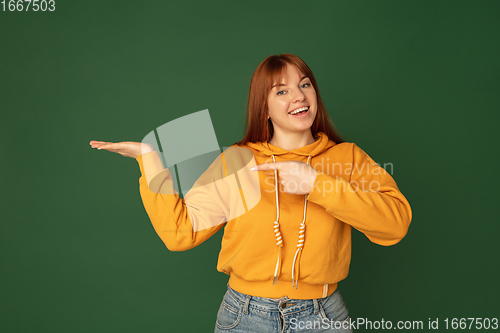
(296, 177)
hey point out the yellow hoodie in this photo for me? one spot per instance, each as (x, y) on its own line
(277, 244)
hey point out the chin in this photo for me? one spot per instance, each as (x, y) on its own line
(304, 128)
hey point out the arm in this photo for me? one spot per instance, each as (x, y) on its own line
(370, 201)
(180, 223)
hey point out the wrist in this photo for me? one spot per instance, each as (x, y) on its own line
(145, 148)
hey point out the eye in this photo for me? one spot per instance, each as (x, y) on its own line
(280, 92)
(306, 85)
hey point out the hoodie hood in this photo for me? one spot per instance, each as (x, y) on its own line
(321, 144)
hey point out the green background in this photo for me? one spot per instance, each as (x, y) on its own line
(413, 83)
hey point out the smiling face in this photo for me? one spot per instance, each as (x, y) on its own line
(292, 104)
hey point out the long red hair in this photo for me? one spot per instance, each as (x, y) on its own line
(258, 127)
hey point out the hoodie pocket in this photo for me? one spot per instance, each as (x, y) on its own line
(229, 314)
(333, 309)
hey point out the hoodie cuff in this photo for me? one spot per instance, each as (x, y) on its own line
(325, 190)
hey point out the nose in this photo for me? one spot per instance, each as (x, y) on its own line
(298, 96)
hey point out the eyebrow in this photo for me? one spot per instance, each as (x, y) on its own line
(282, 84)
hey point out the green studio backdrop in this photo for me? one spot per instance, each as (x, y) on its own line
(413, 83)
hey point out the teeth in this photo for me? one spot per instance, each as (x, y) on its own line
(305, 108)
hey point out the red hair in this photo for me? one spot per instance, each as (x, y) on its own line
(258, 127)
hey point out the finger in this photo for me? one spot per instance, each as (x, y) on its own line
(109, 146)
(112, 147)
(93, 142)
(96, 144)
(267, 166)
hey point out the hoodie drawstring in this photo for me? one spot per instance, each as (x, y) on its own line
(279, 239)
(277, 233)
(300, 245)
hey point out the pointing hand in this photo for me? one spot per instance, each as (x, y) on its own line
(296, 177)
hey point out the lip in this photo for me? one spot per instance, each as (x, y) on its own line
(300, 115)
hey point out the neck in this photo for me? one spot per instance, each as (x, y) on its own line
(291, 141)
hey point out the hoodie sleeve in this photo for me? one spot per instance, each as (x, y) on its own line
(369, 201)
(180, 223)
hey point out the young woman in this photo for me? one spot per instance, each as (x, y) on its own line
(283, 276)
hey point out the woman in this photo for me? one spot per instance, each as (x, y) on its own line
(282, 278)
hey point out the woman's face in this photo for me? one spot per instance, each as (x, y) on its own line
(294, 93)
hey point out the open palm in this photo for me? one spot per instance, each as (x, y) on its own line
(126, 148)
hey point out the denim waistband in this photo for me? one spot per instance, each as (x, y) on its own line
(283, 304)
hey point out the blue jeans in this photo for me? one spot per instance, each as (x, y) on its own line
(244, 313)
